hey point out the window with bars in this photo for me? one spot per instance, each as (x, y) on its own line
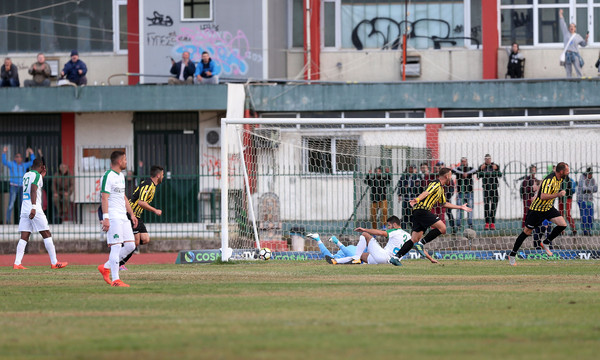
(330, 155)
(197, 10)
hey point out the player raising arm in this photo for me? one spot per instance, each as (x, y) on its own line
(423, 218)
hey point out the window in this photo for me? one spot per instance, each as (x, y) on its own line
(85, 26)
(196, 10)
(330, 155)
(533, 22)
(120, 26)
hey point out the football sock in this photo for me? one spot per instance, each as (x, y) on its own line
(336, 241)
(345, 260)
(518, 243)
(50, 249)
(360, 247)
(555, 232)
(324, 249)
(20, 251)
(405, 249)
(126, 252)
(113, 261)
(432, 234)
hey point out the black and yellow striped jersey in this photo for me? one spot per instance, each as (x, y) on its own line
(436, 196)
(551, 185)
(144, 192)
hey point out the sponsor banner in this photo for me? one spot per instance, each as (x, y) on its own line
(209, 256)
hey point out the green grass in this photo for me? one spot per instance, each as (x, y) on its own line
(308, 310)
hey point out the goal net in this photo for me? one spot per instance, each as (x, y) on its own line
(285, 178)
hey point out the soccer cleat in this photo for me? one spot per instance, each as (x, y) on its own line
(105, 273)
(314, 236)
(59, 265)
(395, 261)
(119, 283)
(492, 226)
(330, 260)
(333, 239)
(546, 249)
(419, 247)
(512, 260)
(355, 262)
(123, 268)
(19, 267)
(487, 226)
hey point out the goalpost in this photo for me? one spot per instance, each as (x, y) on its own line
(291, 176)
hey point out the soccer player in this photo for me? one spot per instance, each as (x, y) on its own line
(33, 217)
(140, 201)
(115, 207)
(423, 218)
(376, 254)
(542, 209)
(344, 251)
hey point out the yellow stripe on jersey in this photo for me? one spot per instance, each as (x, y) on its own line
(551, 185)
(144, 192)
(436, 196)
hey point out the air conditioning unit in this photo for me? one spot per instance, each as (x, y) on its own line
(266, 138)
(212, 137)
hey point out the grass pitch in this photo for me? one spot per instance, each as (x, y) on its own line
(308, 310)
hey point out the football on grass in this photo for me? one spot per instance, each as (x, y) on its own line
(264, 254)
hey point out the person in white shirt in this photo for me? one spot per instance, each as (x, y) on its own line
(115, 207)
(376, 254)
(33, 217)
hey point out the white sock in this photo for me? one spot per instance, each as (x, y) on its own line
(20, 251)
(51, 250)
(319, 242)
(345, 260)
(127, 248)
(113, 261)
(360, 247)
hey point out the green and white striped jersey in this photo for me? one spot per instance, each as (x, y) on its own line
(31, 178)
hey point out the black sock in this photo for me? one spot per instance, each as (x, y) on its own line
(405, 249)
(126, 258)
(555, 232)
(518, 243)
(432, 234)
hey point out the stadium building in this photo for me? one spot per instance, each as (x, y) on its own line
(297, 59)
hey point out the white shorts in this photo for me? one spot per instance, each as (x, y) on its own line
(119, 231)
(37, 224)
(377, 255)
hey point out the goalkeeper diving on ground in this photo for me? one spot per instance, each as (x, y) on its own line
(368, 249)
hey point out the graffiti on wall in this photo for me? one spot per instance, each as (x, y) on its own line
(391, 31)
(231, 52)
(212, 164)
(159, 19)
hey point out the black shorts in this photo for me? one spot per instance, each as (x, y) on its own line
(536, 218)
(140, 229)
(423, 219)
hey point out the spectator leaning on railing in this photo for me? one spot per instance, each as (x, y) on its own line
(75, 70)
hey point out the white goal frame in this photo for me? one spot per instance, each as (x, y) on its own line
(470, 122)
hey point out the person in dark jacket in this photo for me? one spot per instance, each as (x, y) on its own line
(464, 189)
(10, 74)
(183, 70)
(205, 71)
(75, 70)
(489, 173)
(565, 203)
(408, 188)
(62, 189)
(379, 183)
(528, 190)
